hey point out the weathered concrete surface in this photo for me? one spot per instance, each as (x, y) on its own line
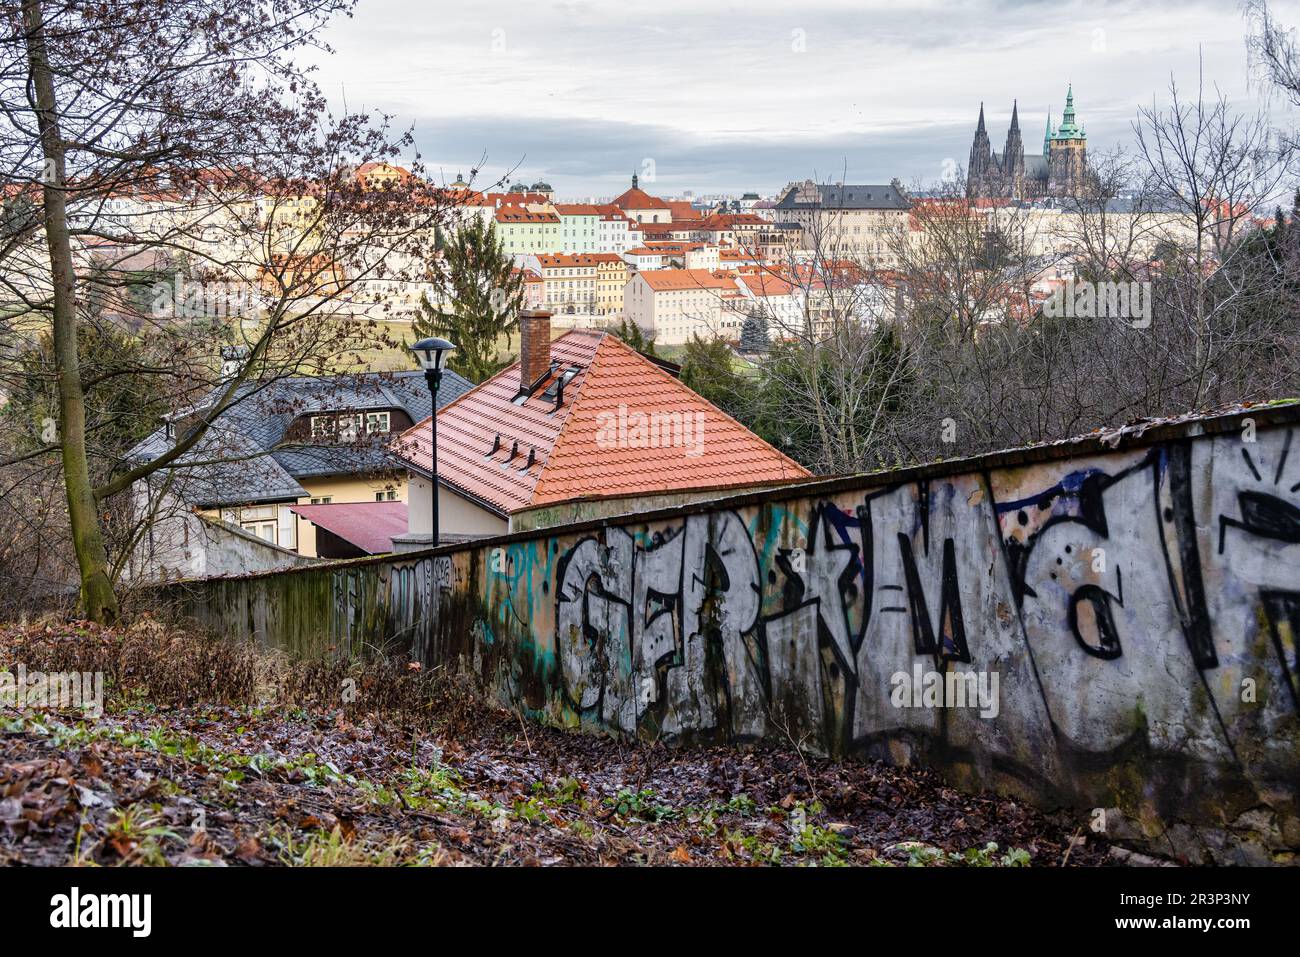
(1129, 605)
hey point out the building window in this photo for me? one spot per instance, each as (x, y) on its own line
(322, 426)
(323, 500)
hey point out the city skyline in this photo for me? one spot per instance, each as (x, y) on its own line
(583, 94)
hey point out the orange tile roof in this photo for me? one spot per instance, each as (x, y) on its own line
(724, 221)
(674, 245)
(509, 199)
(578, 209)
(664, 229)
(577, 449)
(558, 260)
(662, 280)
(636, 198)
(682, 209)
(765, 284)
(517, 214)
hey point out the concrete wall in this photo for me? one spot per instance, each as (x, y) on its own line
(1120, 616)
(181, 543)
(587, 509)
(457, 516)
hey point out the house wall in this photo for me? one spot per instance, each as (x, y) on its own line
(340, 490)
(457, 516)
(182, 543)
(1118, 615)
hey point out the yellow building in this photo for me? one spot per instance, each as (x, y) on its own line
(612, 274)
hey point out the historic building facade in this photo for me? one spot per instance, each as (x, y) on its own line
(1060, 170)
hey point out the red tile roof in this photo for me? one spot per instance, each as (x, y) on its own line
(682, 209)
(368, 525)
(636, 198)
(720, 222)
(591, 446)
(579, 209)
(765, 284)
(664, 229)
(517, 214)
(508, 199)
(669, 280)
(564, 260)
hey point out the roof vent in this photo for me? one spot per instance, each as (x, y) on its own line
(532, 457)
(496, 446)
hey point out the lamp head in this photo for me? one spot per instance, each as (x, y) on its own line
(433, 353)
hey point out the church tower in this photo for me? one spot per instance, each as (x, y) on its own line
(1067, 161)
(1013, 158)
(979, 171)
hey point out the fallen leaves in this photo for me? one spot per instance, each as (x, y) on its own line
(202, 783)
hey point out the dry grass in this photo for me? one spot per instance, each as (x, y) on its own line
(151, 661)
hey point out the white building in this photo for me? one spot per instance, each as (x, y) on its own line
(675, 304)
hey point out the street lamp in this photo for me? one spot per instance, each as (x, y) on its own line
(433, 355)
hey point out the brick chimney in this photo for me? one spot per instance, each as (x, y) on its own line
(534, 345)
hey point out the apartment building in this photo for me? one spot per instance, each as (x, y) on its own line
(858, 221)
(525, 231)
(675, 304)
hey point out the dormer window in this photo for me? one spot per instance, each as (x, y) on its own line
(322, 426)
(347, 426)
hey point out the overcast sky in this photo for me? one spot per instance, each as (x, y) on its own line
(734, 96)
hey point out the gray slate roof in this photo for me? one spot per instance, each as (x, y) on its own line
(848, 196)
(247, 434)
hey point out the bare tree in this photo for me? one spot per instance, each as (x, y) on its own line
(1219, 169)
(180, 136)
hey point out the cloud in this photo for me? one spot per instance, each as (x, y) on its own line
(733, 96)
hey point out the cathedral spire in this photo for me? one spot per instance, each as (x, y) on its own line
(1013, 158)
(980, 169)
(1047, 137)
(1068, 130)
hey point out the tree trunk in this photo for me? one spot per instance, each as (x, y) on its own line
(97, 599)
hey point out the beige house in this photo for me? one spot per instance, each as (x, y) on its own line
(862, 222)
(675, 304)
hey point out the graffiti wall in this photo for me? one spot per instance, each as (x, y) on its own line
(1112, 631)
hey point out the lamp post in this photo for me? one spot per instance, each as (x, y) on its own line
(433, 355)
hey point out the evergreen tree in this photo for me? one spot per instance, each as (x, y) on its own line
(708, 368)
(482, 292)
(753, 333)
(632, 334)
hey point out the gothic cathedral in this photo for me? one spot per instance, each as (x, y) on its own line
(1059, 171)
